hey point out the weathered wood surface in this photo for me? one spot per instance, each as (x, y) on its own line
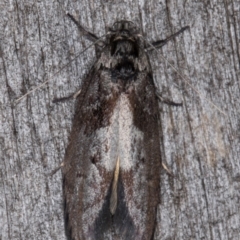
(200, 143)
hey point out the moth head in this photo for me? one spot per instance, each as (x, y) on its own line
(124, 26)
(124, 53)
(124, 39)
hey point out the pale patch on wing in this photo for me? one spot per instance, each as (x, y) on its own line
(114, 195)
(119, 139)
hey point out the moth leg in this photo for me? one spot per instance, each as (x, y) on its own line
(167, 169)
(167, 101)
(70, 97)
(160, 43)
(90, 36)
(56, 169)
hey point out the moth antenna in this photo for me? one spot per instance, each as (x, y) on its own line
(64, 66)
(90, 36)
(184, 78)
(114, 197)
(161, 43)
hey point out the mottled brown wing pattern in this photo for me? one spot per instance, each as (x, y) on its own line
(111, 124)
(142, 185)
(85, 182)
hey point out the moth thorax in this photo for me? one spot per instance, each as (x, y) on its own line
(124, 49)
(125, 55)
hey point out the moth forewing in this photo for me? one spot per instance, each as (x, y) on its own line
(113, 160)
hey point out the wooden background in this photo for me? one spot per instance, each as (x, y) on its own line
(201, 145)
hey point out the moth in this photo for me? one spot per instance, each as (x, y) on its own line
(111, 172)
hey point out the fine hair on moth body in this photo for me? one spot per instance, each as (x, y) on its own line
(111, 168)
